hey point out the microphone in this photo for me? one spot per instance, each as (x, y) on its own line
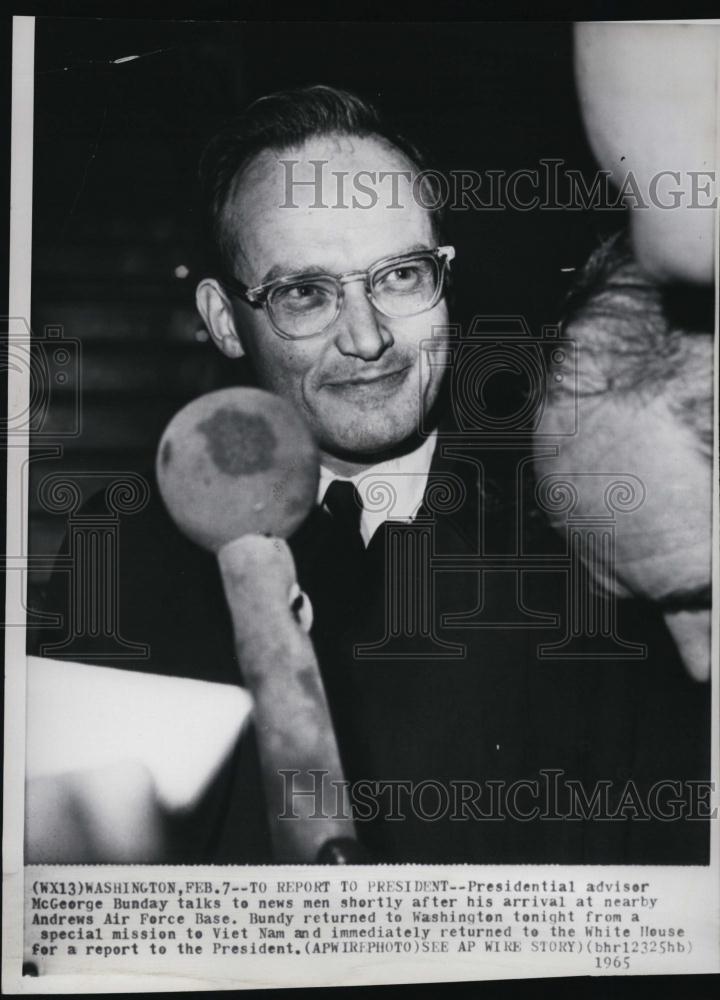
(238, 471)
(237, 462)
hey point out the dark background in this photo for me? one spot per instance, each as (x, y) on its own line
(116, 210)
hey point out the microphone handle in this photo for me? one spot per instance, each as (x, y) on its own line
(293, 725)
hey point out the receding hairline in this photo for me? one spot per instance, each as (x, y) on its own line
(225, 210)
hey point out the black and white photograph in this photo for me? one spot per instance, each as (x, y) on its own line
(362, 488)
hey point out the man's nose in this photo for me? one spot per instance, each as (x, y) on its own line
(360, 330)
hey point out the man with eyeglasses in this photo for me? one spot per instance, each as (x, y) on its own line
(449, 722)
(332, 305)
(434, 680)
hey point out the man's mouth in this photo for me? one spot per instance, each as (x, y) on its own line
(371, 379)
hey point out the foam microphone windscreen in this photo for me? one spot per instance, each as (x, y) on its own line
(235, 462)
(233, 466)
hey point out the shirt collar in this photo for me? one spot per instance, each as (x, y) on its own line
(390, 490)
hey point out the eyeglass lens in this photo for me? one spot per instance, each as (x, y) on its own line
(402, 288)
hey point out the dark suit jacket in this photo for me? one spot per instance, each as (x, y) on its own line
(465, 701)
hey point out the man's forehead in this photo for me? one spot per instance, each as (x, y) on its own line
(275, 170)
(332, 202)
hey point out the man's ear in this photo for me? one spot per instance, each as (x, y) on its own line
(216, 310)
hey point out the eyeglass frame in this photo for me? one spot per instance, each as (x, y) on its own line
(258, 296)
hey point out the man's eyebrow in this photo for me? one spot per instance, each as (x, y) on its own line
(288, 270)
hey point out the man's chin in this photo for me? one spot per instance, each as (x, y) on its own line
(368, 448)
(370, 435)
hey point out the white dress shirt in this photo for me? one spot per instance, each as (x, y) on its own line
(391, 490)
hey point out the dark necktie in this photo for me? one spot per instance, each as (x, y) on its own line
(345, 506)
(340, 567)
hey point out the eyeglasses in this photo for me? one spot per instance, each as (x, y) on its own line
(304, 305)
